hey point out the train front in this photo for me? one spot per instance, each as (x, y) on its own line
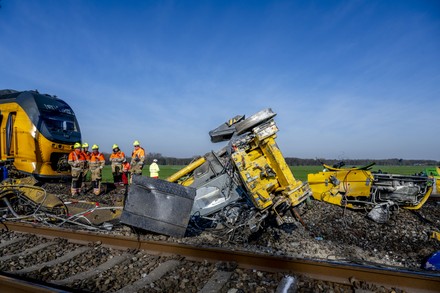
(55, 130)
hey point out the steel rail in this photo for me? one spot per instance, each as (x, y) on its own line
(338, 272)
(14, 284)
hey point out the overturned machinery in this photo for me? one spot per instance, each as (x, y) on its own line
(240, 186)
(378, 193)
(248, 183)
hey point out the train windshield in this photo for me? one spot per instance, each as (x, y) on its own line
(57, 124)
(58, 119)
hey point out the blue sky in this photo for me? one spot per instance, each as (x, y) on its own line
(347, 79)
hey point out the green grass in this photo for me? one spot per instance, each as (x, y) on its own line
(165, 172)
(300, 172)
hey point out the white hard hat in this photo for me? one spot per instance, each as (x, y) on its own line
(155, 160)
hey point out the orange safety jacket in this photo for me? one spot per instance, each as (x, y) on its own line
(138, 156)
(96, 160)
(117, 158)
(87, 155)
(76, 157)
(125, 166)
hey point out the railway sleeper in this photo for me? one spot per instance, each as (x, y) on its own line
(155, 275)
(12, 241)
(211, 278)
(27, 251)
(56, 261)
(94, 271)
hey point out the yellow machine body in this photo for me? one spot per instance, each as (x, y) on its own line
(251, 166)
(37, 133)
(359, 188)
(336, 185)
(265, 173)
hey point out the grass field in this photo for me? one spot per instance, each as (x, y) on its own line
(300, 172)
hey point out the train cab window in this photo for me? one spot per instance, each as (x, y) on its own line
(68, 126)
(10, 137)
(56, 124)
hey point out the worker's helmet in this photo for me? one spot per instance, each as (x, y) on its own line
(115, 146)
(85, 145)
(95, 147)
(77, 145)
(155, 160)
(136, 143)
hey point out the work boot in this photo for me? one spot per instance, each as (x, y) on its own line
(73, 191)
(96, 187)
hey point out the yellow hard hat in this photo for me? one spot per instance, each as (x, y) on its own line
(115, 146)
(136, 142)
(85, 145)
(95, 147)
(77, 145)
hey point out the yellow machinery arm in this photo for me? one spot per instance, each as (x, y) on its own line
(185, 171)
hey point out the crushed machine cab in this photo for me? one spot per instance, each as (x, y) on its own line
(242, 184)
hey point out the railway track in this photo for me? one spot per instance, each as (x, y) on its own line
(70, 260)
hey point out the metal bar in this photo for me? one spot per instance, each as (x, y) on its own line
(13, 284)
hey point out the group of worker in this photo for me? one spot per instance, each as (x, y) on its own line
(82, 161)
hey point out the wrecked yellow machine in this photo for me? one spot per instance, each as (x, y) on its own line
(359, 188)
(241, 185)
(434, 173)
(22, 199)
(248, 183)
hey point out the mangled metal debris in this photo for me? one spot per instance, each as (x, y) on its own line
(23, 200)
(162, 207)
(359, 188)
(239, 186)
(248, 183)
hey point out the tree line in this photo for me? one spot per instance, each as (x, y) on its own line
(292, 161)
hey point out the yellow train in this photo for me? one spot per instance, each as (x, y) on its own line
(37, 132)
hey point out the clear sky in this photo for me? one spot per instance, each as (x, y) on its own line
(347, 79)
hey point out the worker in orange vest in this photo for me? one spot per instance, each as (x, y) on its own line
(137, 159)
(117, 158)
(77, 162)
(96, 163)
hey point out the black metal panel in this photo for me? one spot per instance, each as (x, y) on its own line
(159, 206)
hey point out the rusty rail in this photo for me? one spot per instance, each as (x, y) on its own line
(411, 281)
(14, 284)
